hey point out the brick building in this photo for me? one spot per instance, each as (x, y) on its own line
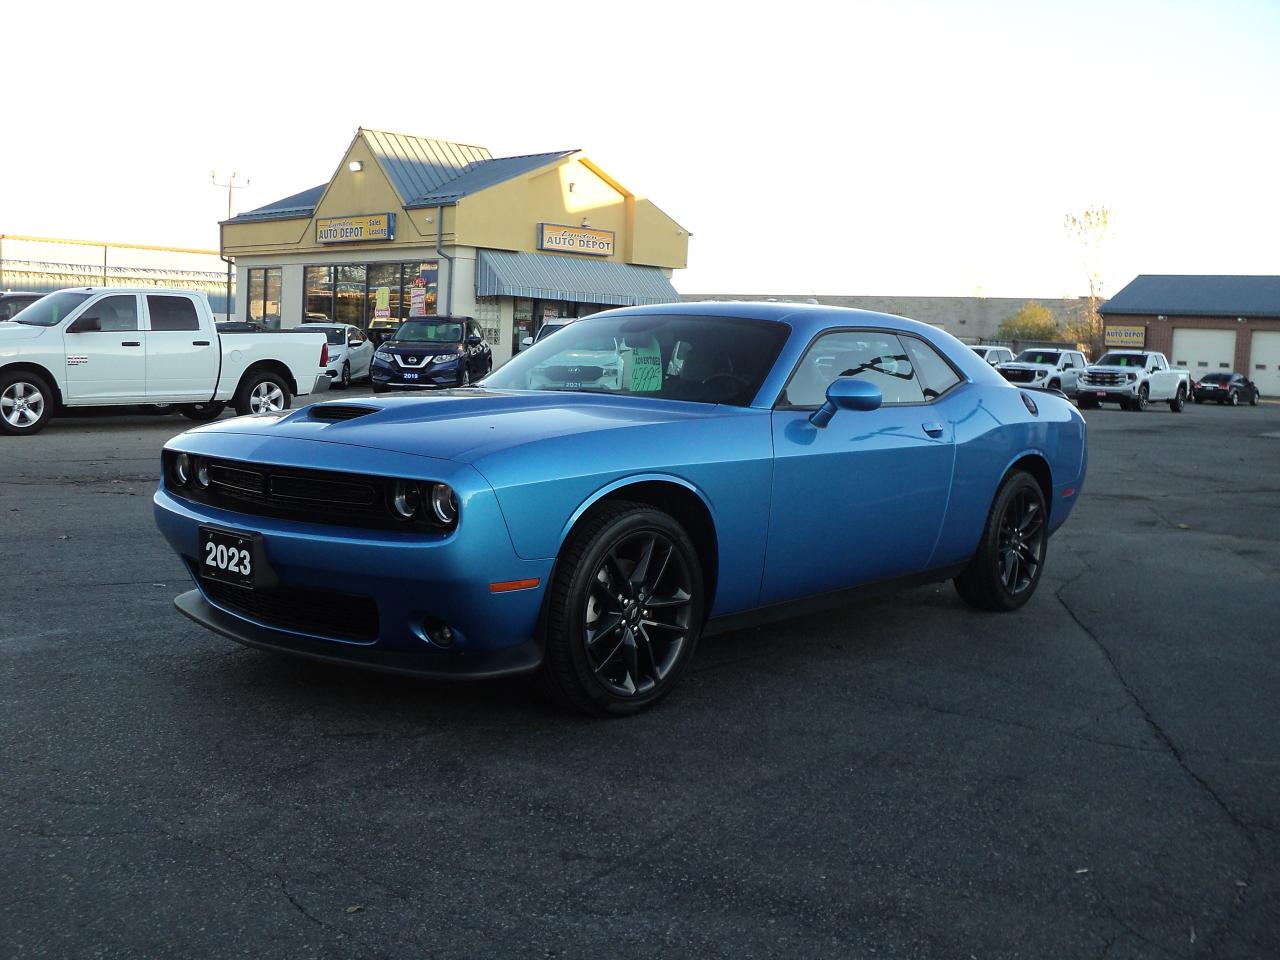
(1204, 323)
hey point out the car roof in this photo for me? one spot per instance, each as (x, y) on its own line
(806, 319)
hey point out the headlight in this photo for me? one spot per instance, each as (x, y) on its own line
(181, 469)
(406, 499)
(202, 473)
(1131, 376)
(444, 504)
(382, 355)
(443, 358)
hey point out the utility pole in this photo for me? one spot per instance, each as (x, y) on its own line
(230, 186)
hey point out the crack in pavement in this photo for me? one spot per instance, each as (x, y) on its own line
(1223, 927)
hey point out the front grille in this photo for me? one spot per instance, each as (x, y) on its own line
(292, 493)
(1102, 378)
(1019, 376)
(574, 374)
(342, 616)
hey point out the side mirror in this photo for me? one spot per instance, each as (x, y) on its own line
(473, 341)
(527, 342)
(847, 393)
(86, 325)
(355, 342)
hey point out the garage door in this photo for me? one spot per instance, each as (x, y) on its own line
(1264, 363)
(1204, 351)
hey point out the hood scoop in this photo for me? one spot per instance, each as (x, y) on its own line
(333, 412)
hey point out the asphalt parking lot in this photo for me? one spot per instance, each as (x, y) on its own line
(1097, 775)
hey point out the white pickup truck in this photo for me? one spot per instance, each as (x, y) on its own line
(109, 346)
(1133, 378)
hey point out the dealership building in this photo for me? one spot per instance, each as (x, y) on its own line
(1207, 324)
(410, 227)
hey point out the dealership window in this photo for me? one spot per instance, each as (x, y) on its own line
(264, 296)
(370, 295)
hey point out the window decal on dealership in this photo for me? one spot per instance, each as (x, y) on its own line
(1126, 336)
(422, 293)
(366, 226)
(553, 236)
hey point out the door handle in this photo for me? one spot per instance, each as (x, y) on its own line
(199, 343)
(130, 343)
(932, 429)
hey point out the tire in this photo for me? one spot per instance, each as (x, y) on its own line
(1055, 384)
(1176, 403)
(464, 378)
(262, 392)
(1234, 399)
(618, 671)
(201, 412)
(344, 378)
(1143, 396)
(1253, 400)
(1006, 570)
(26, 403)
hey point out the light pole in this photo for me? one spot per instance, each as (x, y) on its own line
(230, 185)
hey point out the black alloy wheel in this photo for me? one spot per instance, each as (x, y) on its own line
(624, 611)
(1006, 570)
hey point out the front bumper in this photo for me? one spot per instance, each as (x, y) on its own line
(434, 376)
(1112, 392)
(412, 581)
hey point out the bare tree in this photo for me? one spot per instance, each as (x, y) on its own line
(1089, 229)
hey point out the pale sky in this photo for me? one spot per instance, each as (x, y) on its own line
(841, 148)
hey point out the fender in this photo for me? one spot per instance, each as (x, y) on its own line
(38, 368)
(598, 495)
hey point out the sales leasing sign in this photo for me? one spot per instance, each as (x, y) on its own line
(366, 226)
(562, 239)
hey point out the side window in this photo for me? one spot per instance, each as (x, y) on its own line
(115, 314)
(172, 313)
(935, 375)
(870, 355)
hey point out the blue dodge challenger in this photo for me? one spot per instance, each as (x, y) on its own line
(645, 477)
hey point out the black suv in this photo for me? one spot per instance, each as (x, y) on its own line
(431, 352)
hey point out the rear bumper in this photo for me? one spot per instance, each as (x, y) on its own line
(321, 383)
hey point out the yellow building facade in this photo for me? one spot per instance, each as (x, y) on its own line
(412, 226)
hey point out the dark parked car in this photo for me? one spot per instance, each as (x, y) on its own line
(1230, 388)
(432, 352)
(12, 301)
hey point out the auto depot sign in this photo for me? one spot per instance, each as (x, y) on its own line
(1127, 336)
(365, 226)
(562, 239)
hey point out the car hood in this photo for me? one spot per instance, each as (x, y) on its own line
(11, 332)
(1098, 369)
(1042, 367)
(408, 348)
(463, 425)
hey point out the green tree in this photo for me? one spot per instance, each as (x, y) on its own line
(1032, 321)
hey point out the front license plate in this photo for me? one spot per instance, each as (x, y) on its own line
(236, 558)
(1102, 393)
(410, 376)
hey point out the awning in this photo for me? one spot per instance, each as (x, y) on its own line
(547, 276)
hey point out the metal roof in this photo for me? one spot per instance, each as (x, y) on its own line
(423, 171)
(1196, 295)
(299, 205)
(419, 165)
(548, 276)
(484, 174)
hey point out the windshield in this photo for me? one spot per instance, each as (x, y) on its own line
(429, 331)
(1123, 360)
(548, 329)
(335, 335)
(675, 357)
(50, 310)
(1049, 357)
(1216, 378)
